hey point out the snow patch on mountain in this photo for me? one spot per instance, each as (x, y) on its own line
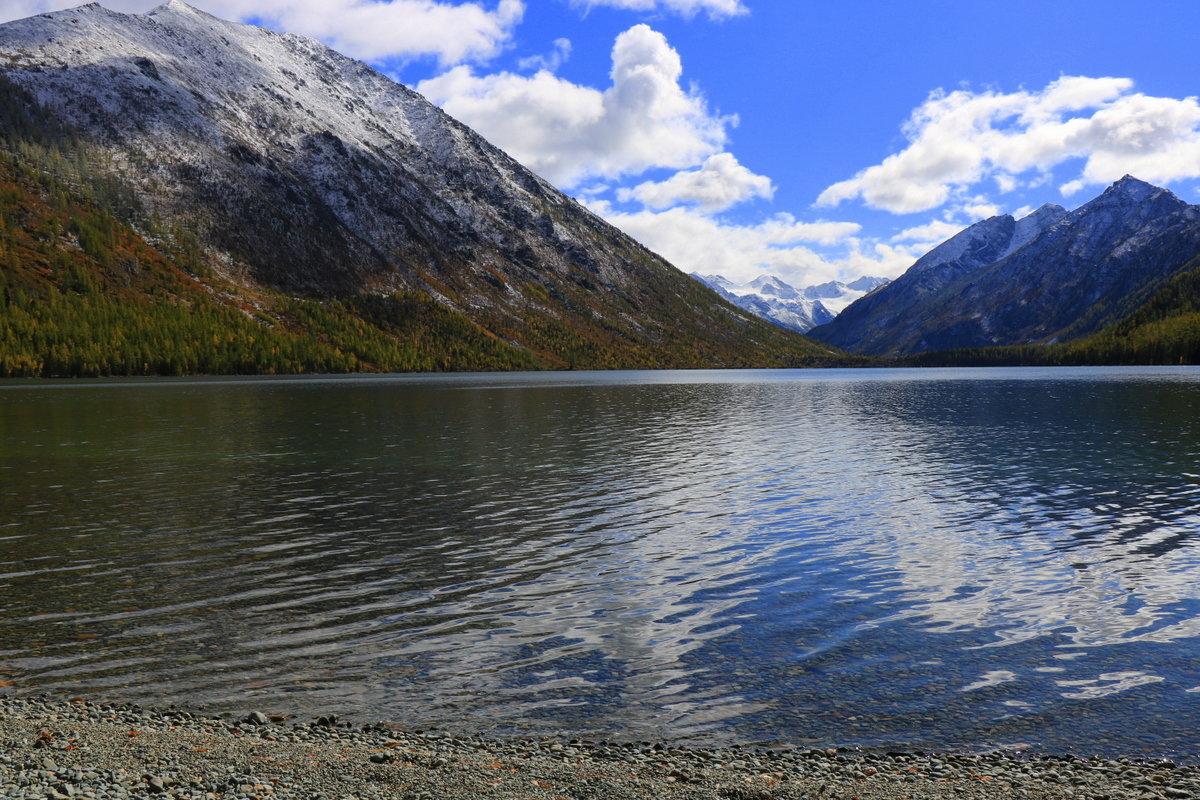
(1029, 226)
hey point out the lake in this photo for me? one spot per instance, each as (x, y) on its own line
(873, 558)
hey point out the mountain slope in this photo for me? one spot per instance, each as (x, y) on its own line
(1163, 330)
(301, 172)
(83, 294)
(894, 319)
(1052, 276)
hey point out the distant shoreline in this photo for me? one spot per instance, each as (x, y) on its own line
(57, 749)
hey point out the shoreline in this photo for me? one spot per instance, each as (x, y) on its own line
(54, 749)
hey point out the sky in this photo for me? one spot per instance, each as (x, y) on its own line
(808, 139)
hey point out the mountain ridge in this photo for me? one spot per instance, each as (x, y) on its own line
(1077, 272)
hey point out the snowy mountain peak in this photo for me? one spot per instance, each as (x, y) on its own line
(836, 296)
(173, 6)
(1043, 211)
(715, 281)
(1128, 192)
(867, 283)
(772, 298)
(769, 297)
(84, 10)
(773, 286)
(1134, 187)
(179, 12)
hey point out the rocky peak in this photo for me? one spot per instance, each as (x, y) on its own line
(174, 7)
(866, 283)
(1130, 192)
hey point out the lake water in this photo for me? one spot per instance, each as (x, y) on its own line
(936, 558)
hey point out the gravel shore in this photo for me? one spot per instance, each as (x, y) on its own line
(76, 749)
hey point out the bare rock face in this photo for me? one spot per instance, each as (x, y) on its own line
(1051, 276)
(306, 171)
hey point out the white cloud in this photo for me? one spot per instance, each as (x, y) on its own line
(715, 9)
(978, 207)
(1005, 182)
(720, 182)
(697, 242)
(960, 138)
(369, 29)
(551, 61)
(567, 132)
(935, 231)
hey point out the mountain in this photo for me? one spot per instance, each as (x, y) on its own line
(1051, 276)
(294, 174)
(836, 296)
(1163, 330)
(770, 297)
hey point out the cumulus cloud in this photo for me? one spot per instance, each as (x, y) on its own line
(567, 132)
(720, 182)
(936, 231)
(698, 242)
(715, 9)
(369, 29)
(957, 139)
(980, 208)
(551, 61)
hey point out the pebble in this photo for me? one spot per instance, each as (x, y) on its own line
(121, 752)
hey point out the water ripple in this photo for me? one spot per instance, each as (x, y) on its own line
(853, 557)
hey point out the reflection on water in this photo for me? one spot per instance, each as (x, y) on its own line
(922, 558)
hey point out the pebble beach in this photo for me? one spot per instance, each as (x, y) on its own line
(78, 749)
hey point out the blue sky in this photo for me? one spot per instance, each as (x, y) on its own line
(813, 140)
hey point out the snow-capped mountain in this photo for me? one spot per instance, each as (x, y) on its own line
(771, 298)
(302, 170)
(1051, 276)
(836, 296)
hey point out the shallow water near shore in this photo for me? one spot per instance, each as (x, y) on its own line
(876, 558)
